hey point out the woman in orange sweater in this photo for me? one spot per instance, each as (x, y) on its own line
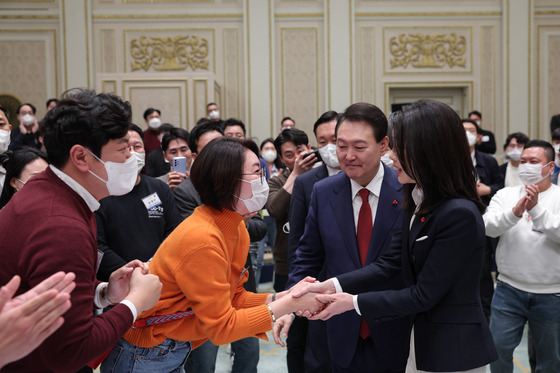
(201, 267)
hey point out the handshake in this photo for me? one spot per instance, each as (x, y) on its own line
(314, 300)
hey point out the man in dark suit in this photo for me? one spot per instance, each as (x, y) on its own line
(352, 218)
(486, 142)
(324, 130)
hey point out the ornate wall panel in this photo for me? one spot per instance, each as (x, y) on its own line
(366, 68)
(108, 51)
(230, 58)
(553, 74)
(200, 97)
(28, 68)
(299, 79)
(427, 50)
(487, 72)
(169, 50)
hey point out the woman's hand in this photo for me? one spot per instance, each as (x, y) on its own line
(334, 304)
(282, 326)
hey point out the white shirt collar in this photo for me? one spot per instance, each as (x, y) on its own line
(90, 200)
(332, 171)
(374, 185)
(473, 158)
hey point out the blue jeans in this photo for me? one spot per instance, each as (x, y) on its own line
(511, 309)
(246, 351)
(168, 356)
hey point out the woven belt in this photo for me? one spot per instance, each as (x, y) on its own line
(155, 320)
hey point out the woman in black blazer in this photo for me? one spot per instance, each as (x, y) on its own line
(439, 251)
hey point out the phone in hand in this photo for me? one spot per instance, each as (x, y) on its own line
(179, 164)
(317, 156)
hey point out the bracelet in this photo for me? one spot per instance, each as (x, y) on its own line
(273, 296)
(271, 313)
(104, 295)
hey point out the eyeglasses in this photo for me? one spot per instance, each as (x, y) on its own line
(261, 175)
(136, 147)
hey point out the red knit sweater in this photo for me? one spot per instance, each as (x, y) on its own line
(46, 228)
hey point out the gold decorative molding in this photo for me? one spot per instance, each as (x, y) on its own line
(428, 50)
(427, 14)
(29, 16)
(546, 12)
(299, 15)
(169, 53)
(166, 16)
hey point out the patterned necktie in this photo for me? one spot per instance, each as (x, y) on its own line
(365, 227)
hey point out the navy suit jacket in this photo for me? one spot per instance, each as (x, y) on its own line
(299, 206)
(489, 174)
(329, 244)
(441, 260)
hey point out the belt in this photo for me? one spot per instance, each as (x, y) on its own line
(155, 320)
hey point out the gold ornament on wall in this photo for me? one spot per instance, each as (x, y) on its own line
(428, 50)
(169, 53)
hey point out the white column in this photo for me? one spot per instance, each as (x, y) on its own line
(518, 18)
(339, 55)
(258, 26)
(75, 23)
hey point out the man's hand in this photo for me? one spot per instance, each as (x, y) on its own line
(282, 326)
(519, 207)
(303, 287)
(27, 320)
(175, 178)
(119, 281)
(302, 165)
(532, 196)
(145, 290)
(334, 304)
(483, 189)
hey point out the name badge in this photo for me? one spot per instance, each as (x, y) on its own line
(99, 259)
(151, 201)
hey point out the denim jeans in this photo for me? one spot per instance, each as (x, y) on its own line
(511, 309)
(245, 351)
(168, 356)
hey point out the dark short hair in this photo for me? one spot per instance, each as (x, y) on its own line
(203, 120)
(475, 112)
(234, 122)
(429, 136)
(85, 118)
(28, 104)
(266, 141)
(521, 138)
(218, 168)
(174, 134)
(326, 117)
(5, 111)
(165, 127)
(556, 134)
(150, 111)
(199, 130)
(467, 120)
(545, 145)
(55, 100)
(210, 104)
(298, 137)
(285, 119)
(138, 130)
(14, 163)
(368, 113)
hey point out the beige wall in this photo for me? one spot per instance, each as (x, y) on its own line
(262, 60)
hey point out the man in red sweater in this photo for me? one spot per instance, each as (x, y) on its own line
(49, 226)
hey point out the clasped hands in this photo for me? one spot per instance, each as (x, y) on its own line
(321, 296)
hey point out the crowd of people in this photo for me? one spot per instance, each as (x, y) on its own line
(399, 244)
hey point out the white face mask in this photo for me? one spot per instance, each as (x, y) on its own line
(259, 188)
(121, 177)
(514, 154)
(214, 114)
(556, 151)
(531, 173)
(269, 155)
(328, 153)
(28, 120)
(471, 138)
(4, 140)
(154, 123)
(387, 160)
(140, 158)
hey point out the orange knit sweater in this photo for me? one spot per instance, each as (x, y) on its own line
(200, 265)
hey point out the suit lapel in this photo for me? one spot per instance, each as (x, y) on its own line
(387, 212)
(341, 205)
(420, 221)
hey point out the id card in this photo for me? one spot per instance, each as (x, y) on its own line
(151, 201)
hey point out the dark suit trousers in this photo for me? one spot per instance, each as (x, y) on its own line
(365, 360)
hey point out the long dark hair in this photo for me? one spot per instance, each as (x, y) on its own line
(430, 142)
(14, 163)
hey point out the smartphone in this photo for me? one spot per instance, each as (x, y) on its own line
(317, 156)
(179, 164)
